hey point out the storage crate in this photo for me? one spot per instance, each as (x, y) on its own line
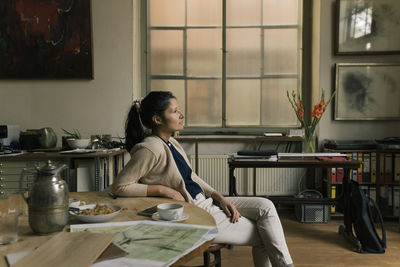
(311, 213)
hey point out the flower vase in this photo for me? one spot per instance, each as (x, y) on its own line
(308, 145)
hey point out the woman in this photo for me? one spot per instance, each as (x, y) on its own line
(159, 167)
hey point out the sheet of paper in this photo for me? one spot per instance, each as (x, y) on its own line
(149, 243)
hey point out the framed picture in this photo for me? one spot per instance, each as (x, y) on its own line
(45, 39)
(367, 27)
(367, 91)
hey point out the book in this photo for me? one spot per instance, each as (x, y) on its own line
(333, 195)
(333, 175)
(354, 174)
(360, 169)
(388, 171)
(339, 175)
(373, 167)
(349, 155)
(372, 193)
(366, 177)
(396, 200)
(381, 172)
(396, 167)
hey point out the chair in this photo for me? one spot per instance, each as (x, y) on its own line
(215, 250)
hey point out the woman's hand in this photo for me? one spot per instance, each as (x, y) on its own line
(164, 191)
(227, 206)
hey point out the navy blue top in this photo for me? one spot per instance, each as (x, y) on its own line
(191, 186)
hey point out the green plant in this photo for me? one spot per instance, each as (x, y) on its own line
(75, 134)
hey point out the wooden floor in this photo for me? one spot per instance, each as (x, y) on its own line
(319, 244)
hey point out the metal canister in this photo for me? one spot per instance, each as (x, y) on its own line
(47, 199)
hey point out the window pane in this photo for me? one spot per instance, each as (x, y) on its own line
(166, 56)
(280, 12)
(280, 51)
(161, 10)
(243, 12)
(243, 102)
(243, 47)
(275, 108)
(177, 87)
(204, 103)
(204, 52)
(204, 12)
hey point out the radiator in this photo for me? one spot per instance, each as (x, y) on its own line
(269, 181)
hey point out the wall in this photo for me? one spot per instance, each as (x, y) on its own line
(344, 130)
(100, 105)
(92, 106)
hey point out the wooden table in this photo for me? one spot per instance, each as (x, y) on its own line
(312, 163)
(28, 240)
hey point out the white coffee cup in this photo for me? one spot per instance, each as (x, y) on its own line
(170, 211)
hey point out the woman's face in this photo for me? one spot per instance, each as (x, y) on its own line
(173, 117)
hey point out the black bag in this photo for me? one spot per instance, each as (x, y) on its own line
(363, 221)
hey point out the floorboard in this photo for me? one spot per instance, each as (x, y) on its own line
(319, 244)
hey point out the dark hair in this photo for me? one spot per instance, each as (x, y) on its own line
(155, 103)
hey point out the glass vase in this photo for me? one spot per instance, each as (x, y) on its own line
(308, 145)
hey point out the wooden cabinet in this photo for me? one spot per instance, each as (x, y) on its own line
(107, 164)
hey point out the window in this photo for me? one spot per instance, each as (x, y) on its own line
(228, 62)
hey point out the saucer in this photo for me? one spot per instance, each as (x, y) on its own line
(156, 217)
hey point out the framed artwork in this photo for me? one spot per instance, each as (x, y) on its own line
(367, 91)
(367, 27)
(45, 39)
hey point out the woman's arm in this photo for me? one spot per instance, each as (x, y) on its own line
(164, 191)
(226, 206)
(127, 182)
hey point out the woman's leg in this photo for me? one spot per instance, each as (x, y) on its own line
(257, 214)
(269, 227)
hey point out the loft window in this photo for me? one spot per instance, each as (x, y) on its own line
(228, 62)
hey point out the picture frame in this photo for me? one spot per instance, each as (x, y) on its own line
(43, 39)
(367, 91)
(367, 27)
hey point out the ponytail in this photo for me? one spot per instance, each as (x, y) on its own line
(134, 132)
(141, 115)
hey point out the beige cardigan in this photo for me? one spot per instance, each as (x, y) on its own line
(152, 163)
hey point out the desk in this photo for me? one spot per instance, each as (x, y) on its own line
(236, 138)
(107, 164)
(28, 240)
(347, 165)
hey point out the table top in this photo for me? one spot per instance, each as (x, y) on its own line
(293, 163)
(244, 138)
(28, 240)
(58, 155)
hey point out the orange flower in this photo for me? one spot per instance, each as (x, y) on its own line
(318, 110)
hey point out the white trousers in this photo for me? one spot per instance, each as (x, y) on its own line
(258, 227)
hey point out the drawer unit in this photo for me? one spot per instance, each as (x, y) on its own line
(10, 173)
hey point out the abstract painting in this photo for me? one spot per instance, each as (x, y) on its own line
(367, 27)
(48, 39)
(367, 91)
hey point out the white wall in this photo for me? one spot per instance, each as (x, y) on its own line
(97, 106)
(100, 105)
(345, 130)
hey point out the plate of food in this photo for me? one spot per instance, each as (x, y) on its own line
(95, 213)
